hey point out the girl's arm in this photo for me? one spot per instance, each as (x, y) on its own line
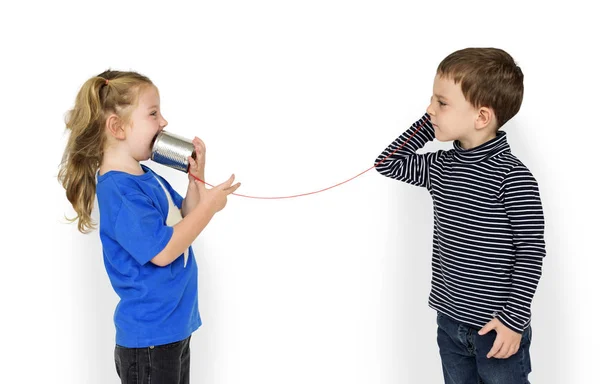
(186, 231)
(192, 197)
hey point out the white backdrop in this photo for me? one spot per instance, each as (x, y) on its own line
(292, 97)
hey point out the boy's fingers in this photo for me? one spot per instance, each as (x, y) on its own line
(504, 352)
(495, 348)
(514, 350)
(486, 328)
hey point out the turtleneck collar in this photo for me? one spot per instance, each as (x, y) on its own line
(486, 150)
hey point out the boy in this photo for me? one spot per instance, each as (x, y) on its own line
(488, 239)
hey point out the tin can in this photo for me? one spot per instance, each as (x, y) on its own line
(172, 150)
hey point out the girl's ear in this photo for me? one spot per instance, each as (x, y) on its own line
(115, 128)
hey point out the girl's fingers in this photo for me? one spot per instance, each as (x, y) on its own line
(233, 188)
(199, 145)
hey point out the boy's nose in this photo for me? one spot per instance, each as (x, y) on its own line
(430, 109)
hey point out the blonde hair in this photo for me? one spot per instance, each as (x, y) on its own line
(489, 77)
(111, 92)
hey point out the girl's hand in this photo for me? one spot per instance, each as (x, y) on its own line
(196, 168)
(216, 198)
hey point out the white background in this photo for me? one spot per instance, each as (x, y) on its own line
(292, 97)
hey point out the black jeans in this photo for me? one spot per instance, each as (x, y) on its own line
(160, 364)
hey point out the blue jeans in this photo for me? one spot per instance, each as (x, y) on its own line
(463, 352)
(160, 364)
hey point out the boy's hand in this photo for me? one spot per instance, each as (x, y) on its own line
(507, 341)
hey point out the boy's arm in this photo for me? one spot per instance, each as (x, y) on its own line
(405, 164)
(523, 206)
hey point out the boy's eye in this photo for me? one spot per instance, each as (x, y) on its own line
(441, 103)
(153, 113)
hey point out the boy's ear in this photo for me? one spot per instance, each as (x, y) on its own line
(485, 118)
(115, 128)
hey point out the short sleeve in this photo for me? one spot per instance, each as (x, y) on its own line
(140, 228)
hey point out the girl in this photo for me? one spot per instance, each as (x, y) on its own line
(146, 227)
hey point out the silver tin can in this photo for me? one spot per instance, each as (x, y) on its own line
(172, 150)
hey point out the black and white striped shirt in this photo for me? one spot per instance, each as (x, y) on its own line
(488, 238)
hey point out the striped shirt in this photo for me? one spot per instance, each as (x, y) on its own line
(488, 235)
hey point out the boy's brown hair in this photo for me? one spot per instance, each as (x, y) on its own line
(489, 77)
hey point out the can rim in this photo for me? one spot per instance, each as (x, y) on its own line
(156, 140)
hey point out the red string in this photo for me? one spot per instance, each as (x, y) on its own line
(333, 186)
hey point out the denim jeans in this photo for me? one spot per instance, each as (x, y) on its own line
(463, 352)
(160, 364)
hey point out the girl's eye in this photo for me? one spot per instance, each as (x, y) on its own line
(442, 103)
(153, 113)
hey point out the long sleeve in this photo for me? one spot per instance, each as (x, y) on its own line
(488, 233)
(405, 164)
(521, 199)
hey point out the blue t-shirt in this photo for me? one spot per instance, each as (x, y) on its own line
(158, 305)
